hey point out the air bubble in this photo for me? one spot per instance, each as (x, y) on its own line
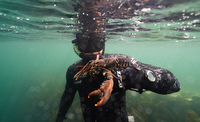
(186, 35)
(46, 107)
(148, 110)
(32, 89)
(28, 118)
(41, 103)
(70, 116)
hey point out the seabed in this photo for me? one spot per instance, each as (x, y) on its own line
(42, 104)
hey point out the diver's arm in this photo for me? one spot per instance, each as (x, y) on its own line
(151, 78)
(140, 76)
(67, 98)
(143, 76)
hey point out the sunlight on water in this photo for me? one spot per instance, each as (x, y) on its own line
(36, 50)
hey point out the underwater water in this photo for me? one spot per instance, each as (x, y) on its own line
(36, 50)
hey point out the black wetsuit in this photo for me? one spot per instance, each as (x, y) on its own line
(151, 78)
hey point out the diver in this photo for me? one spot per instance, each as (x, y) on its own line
(141, 76)
(103, 79)
(147, 77)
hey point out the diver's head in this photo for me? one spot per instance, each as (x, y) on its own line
(89, 46)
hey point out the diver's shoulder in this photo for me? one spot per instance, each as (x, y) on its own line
(74, 65)
(73, 69)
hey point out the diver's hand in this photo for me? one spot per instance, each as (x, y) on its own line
(104, 91)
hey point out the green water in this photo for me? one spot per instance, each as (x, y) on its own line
(36, 50)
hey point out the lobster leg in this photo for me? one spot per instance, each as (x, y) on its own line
(104, 91)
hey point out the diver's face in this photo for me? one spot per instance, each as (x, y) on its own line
(89, 47)
(90, 44)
